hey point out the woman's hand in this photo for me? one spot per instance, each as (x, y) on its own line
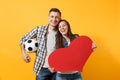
(52, 70)
(94, 46)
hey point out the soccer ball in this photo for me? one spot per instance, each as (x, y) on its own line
(30, 45)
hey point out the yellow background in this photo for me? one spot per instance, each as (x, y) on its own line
(99, 19)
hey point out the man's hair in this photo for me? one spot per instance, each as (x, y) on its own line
(55, 10)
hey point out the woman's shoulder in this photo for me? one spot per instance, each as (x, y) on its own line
(76, 35)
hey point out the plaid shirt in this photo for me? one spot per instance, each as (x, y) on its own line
(40, 34)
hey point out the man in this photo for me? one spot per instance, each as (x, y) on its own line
(45, 36)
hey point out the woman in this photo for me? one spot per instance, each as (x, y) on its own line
(63, 39)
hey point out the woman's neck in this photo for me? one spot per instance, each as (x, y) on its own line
(66, 38)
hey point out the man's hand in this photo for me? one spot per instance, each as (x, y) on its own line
(26, 57)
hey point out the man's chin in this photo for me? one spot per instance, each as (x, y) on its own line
(54, 25)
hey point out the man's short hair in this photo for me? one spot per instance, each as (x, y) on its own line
(55, 10)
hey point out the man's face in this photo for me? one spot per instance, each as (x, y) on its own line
(54, 18)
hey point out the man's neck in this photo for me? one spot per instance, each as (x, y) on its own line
(53, 28)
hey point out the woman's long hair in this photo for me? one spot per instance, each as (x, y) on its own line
(59, 37)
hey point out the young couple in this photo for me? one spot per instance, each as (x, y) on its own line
(56, 34)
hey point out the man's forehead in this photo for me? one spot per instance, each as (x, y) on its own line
(54, 13)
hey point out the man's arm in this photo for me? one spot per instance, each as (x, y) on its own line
(31, 34)
(25, 56)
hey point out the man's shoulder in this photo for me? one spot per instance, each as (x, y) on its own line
(42, 26)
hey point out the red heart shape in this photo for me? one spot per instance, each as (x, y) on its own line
(72, 58)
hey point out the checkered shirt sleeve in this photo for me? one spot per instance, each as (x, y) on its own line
(29, 35)
(39, 32)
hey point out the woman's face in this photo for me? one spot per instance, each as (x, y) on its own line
(63, 28)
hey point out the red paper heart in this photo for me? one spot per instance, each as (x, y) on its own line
(72, 58)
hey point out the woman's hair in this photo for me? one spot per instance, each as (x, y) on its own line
(59, 37)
